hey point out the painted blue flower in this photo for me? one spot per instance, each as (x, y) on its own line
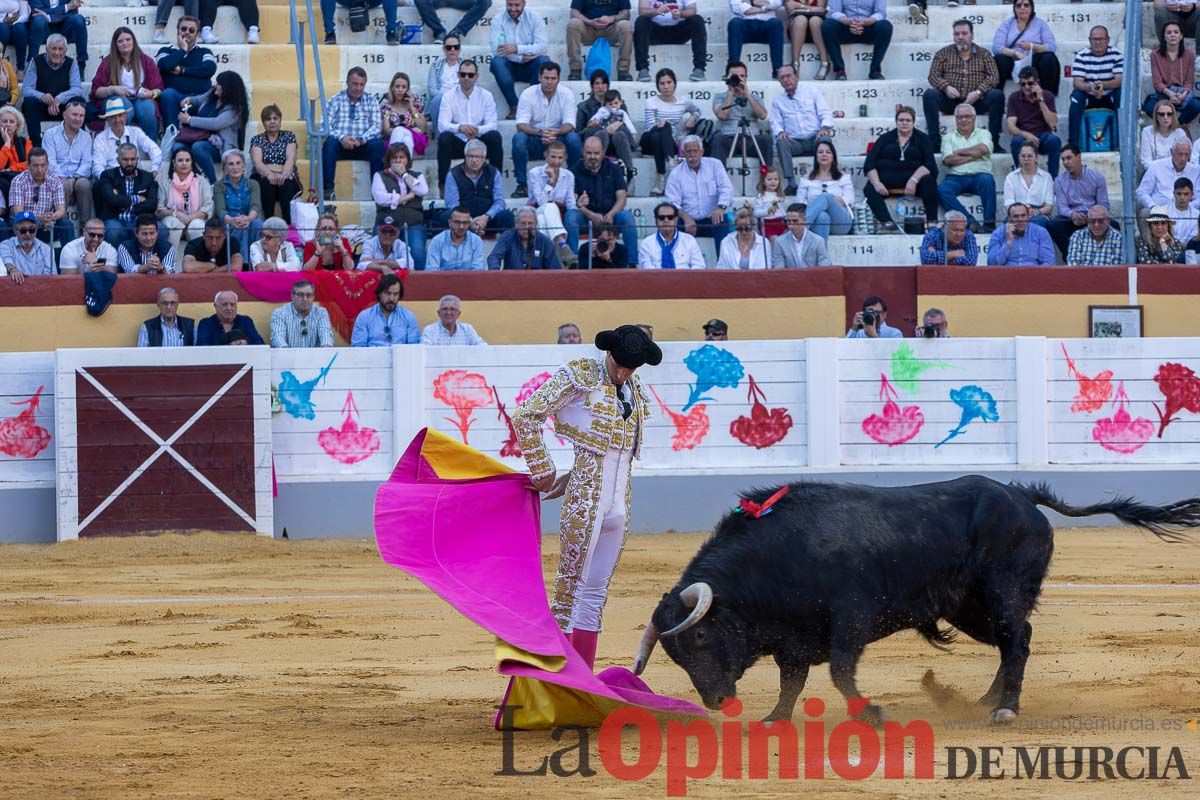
(976, 403)
(713, 367)
(296, 396)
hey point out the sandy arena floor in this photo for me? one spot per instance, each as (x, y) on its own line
(234, 667)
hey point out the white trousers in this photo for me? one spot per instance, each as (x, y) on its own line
(590, 569)
(549, 220)
(403, 135)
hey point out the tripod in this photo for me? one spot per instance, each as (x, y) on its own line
(744, 132)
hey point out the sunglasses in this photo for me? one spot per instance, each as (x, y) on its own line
(26, 231)
(466, 74)
(188, 29)
(92, 235)
(1166, 113)
(452, 47)
(387, 331)
(665, 217)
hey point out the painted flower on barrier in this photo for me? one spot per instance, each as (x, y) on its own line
(1181, 388)
(1120, 433)
(764, 427)
(1093, 392)
(907, 368)
(464, 392)
(713, 367)
(976, 403)
(690, 428)
(893, 425)
(296, 396)
(350, 443)
(21, 436)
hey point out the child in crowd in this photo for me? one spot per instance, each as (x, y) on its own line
(613, 117)
(769, 204)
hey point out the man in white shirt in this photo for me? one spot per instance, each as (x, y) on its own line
(545, 114)
(448, 330)
(1184, 212)
(798, 117)
(668, 247)
(466, 113)
(669, 22)
(116, 133)
(88, 253)
(519, 48)
(700, 188)
(1157, 187)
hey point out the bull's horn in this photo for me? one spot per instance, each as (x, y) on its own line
(698, 597)
(645, 648)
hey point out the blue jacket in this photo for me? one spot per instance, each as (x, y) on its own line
(509, 254)
(210, 332)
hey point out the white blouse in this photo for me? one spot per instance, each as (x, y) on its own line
(541, 192)
(1155, 146)
(1036, 194)
(731, 256)
(765, 202)
(286, 259)
(842, 187)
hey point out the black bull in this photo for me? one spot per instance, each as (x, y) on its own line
(833, 568)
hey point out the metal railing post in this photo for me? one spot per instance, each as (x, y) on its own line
(1128, 126)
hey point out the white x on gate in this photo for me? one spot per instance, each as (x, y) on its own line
(165, 446)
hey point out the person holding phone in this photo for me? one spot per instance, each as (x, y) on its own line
(88, 253)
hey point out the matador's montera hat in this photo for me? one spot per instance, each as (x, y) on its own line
(629, 346)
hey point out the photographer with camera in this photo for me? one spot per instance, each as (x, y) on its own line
(609, 252)
(934, 325)
(871, 322)
(738, 108)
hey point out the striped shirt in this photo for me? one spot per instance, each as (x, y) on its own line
(172, 334)
(289, 329)
(1085, 251)
(657, 110)
(1091, 67)
(436, 335)
(39, 198)
(130, 261)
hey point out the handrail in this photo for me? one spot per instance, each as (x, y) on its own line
(316, 130)
(1128, 125)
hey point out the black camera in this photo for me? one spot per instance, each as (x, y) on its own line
(733, 81)
(603, 246)
(930, 331)
(869, 318)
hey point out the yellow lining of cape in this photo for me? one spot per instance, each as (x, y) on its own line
(510, 652)
(453, 460)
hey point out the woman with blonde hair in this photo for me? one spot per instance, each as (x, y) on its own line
(403, 119)
(1161, 134)
(746, 249)
(14, 146)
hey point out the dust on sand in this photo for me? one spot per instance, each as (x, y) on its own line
(236, 667)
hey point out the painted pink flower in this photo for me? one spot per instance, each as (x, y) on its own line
(349, 444)
(893, 425)
(21, 436)
(1093, 392)
(464, 392)
(1120, 433)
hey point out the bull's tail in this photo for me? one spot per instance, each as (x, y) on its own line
(1166, 522)
(938, 637)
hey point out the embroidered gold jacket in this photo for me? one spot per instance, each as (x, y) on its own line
(584, 404)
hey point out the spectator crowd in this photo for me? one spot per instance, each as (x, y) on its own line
(148, 168)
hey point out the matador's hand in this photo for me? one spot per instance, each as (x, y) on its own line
(559, 488)
(544, 483)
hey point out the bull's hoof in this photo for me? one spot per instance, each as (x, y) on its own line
(1002, 716)
(873, 715)
(778, 716)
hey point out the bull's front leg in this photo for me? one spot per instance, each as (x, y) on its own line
(793, 672)
(844, 654)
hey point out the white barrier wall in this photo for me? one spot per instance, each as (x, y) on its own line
(346, 414)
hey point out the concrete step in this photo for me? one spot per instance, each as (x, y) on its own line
(986, 18)
(102, 20)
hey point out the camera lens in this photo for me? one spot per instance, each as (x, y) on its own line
(930, 331)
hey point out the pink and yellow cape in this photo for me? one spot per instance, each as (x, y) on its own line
(468, 527)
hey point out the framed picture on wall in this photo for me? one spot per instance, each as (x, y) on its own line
(1115, 322)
